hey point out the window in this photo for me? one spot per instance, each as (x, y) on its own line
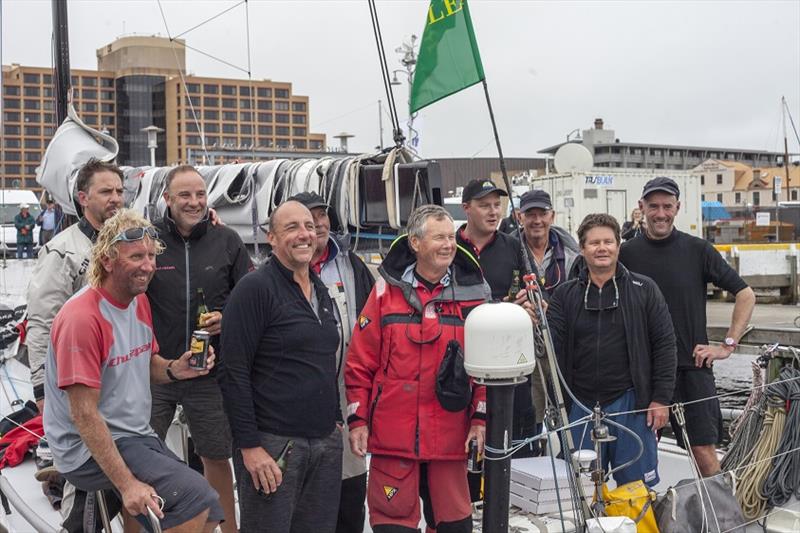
(212, 140)
(33, 143)
(211, 128)
(89, 82)
(49, 131)
(265, 130)
(193, 101)
(74, 81)
(90, 94)
(90, 120)
(298, 119)
(299, 106)
(262, 141)
(47, 79)
(31, 130)
(192, 139)
(756, 198)
(229, 128)
(107, 108)
(31, 91)
(282, 130)
(300, 144)
(315, 145)
(33, 117)
(210, 89)
(244, 91)
(211, 101)
(702, 197)
(33, 104)
(30, 169)
(229, 103)
(192, 127)
(719, 197)
(281, 118)
(11, 130)
(282, 106)
(265, 117)
(298, 132)
(108, 119)
(48, 105)
(264, 104)
(264, 92)
(229, 140)
(13, 156)
(246, 141)
(11, 90)
(211, 115)
(702, 179)
(192, 87)
(106, 82)
(737, 197)
(794, 194)
(228, 89)
(719, 179)
(246, 116)
(281, 93)
(48, 117)
(10, 116)
(245, 104)
(282, 143)
(106, 95)
(229, 115)
(89, 107)
(245, 129)
(30, 78)
(13, 169)
(32, 156)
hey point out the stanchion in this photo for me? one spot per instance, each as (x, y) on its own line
(497, 472)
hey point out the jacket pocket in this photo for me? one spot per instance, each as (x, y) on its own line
(393, 488)
(393, 416)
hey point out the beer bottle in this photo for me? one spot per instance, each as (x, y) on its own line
(202, 310)
(282, 461)
(515, 287)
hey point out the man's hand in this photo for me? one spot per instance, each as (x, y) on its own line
(705, 355)
(40, 406)
(180, 368)
(478, 433)
(263, 469)
(138, 496)
(213, 323)
(358, 441)
(214, 218)
(657, 415)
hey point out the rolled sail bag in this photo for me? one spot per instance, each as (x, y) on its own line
(681, 509)
(232, 187)
(635, 501)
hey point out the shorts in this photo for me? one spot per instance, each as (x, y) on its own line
(186, 493)
(202, 404)
(703, 418)
(626, 447)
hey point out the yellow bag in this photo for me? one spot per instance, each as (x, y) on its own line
(635, 501)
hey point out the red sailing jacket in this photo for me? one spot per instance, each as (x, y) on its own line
(395, 353)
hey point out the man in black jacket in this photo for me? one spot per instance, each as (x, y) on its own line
(280, 338)
(616, 348)
(198, 256)
(349, 283)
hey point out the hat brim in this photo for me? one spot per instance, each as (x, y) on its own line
(665, 189)
(535, 205)
(482, 194)
(314, 205)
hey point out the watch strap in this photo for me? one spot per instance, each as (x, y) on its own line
(170, 375)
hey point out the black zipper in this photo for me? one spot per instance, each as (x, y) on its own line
(188, 296)
(599, 325)
(374, 405)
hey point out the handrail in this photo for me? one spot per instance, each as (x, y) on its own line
(23, 509)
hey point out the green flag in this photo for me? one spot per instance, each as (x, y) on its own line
(448, 57)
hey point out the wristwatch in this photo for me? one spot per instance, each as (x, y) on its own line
(730, 342)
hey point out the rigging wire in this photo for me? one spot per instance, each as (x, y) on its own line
(376, 28)
(210, 19)
(791, 121)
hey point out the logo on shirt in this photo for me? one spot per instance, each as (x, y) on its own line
(389, 492)
(134, 353)
(363, 321)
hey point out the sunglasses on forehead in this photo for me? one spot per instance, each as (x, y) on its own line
(136, 234)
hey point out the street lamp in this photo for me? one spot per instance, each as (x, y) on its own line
(152, 141)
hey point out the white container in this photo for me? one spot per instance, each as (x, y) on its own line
(498, 342)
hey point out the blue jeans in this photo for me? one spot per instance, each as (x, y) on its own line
(625, 448)
(25, 248)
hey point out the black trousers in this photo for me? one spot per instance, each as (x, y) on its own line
(352, 511)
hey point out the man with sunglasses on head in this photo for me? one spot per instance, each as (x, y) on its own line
(198, 256)
(101, 360)
(616, 348)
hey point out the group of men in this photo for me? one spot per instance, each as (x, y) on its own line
(313, 364)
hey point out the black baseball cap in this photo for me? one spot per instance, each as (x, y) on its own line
(537, 198)
(662, 184)
(310, 200)
(479, 188)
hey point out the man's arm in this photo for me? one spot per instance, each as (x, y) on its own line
(663, 351)
(160, 368)
(136, 496)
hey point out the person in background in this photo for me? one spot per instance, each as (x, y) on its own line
(633, 227)
(682, 265)
(349, 283)
(47, 221)
(24, 222)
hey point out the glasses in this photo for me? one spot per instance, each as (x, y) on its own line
(600, 306)
(136, 234)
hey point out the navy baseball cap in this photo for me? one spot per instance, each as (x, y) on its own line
(476, 189)
(661, 184)
(537, 198)
(310, 200)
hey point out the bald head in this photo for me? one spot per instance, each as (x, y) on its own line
(291, 235)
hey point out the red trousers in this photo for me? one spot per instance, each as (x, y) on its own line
(393, 491)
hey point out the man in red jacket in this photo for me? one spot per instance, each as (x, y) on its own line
(427, 287)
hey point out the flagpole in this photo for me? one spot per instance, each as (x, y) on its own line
(503, 170)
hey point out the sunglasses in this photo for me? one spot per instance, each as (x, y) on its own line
(136, 234)
(601, 307)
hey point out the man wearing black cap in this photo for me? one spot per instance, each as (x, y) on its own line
(349, 283)
(682, 265)
(500, 258)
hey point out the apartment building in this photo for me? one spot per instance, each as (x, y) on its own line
(142, 81)
(735, 184)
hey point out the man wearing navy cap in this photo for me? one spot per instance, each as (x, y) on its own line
(682, 265)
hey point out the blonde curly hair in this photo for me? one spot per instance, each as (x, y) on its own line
(106, 247)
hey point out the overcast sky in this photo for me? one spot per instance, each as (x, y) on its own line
(673, 72)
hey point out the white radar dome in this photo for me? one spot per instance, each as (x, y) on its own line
(498, 342)
(573, 157)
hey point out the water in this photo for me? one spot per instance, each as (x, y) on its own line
(735, 377)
